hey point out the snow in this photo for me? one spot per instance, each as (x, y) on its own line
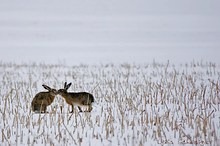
(146, 105)
(153, 67)
(94, 32)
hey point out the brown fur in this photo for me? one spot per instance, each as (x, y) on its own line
(79, 99)
(43, 99)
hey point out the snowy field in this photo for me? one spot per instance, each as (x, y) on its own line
(134, 105)
(152, 66)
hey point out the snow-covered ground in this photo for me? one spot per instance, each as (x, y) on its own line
(154, 104)
(118, 50)
(94, 32)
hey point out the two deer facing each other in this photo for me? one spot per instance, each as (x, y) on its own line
(43, 99)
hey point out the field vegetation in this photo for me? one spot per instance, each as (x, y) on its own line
(135, 105)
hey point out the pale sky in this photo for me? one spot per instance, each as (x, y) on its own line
(109, 31)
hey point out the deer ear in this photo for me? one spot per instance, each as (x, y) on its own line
(67, 86)
(46, 87)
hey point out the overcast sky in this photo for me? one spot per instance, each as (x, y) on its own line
(115, 31)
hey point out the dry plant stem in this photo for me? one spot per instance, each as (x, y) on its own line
(156, 103)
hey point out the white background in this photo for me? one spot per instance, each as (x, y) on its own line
(98, 31)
